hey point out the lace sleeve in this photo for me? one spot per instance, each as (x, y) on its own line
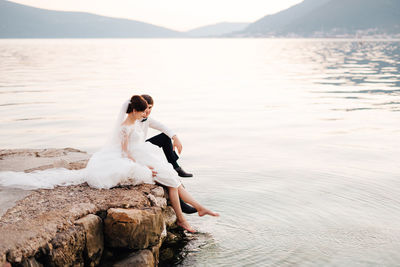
(124, 135)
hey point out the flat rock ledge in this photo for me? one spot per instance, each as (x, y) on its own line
(83, 226)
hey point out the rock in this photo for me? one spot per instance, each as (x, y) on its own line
(157, 201)
(158, 191)
(58, 227)
(68, 248)
(156, 251)
(5, 264)
(172, 238)
(35, 220)
(61, 163)
(141, 258)
(133, 228)
(31, 262)
(94, 248)
(167, 254)
(169, 217)
(39, 159)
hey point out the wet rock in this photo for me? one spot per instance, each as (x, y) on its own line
(141, 258)
(31, 262)
(172, 238)
(4, 262)
(39, 159)
(133, 228)
(93, 227)
(167, 254)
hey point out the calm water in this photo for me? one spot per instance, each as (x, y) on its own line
(295, 142)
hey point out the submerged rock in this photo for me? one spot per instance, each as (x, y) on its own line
(142, 258)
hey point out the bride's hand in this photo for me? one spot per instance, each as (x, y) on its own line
(154, 173)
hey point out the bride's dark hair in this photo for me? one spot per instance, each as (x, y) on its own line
(137, 103)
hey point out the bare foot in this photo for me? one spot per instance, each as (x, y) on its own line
(205, 211)
(185, 225)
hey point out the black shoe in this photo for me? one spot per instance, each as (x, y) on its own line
(186, 208)
(182, 173)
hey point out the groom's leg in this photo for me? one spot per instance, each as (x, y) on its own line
(162, 140)
(186, 208)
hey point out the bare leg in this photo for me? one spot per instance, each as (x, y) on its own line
(181, 221)
(185, 196)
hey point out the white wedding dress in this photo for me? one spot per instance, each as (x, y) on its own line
(106, 168)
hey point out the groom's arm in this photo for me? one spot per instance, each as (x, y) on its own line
(170, 133)
(160, 127)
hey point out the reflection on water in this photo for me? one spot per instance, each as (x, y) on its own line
(294, 142)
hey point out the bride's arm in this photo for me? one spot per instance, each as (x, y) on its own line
(125, 151)
(124, 144)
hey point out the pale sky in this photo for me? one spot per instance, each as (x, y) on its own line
(178, 15)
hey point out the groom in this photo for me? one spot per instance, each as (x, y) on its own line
(163, 140)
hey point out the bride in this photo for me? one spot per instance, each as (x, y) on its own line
(127, 157)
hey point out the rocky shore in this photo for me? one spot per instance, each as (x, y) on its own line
(79, 225)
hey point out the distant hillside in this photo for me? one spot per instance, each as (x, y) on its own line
(272, 23)
(217, 29)
(331, 18)
(20, 21)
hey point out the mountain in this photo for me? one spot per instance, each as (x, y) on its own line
(270, 23)
(20, 21)
(331, 18)
(217, 29)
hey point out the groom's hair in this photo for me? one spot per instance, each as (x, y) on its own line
(148, 99)
(137, 103)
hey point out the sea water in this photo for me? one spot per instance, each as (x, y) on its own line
(295, 142)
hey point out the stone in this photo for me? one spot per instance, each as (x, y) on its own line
(31, 262)
(61, 163)
(157, 201)
(52, 227)
(169, 217)
(133, 228)
(36, 220)
(68, 247)
(166, 254)
(94, 247)
(172, 238)
(158, 191)
(141, 258)
(156, 251)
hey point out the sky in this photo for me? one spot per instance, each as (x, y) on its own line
(181, 15)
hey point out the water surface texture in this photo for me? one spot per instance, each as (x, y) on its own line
(295, 142)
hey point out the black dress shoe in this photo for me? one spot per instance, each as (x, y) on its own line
(186, 208)
(182, 173)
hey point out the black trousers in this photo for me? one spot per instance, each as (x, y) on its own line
(162, 140)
